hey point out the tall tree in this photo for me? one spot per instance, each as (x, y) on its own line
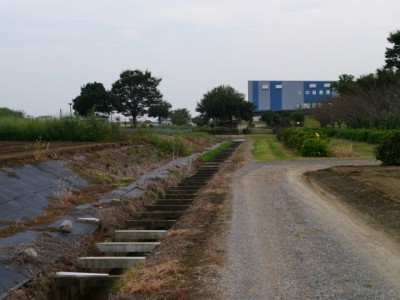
(136, 91)
(180, 117)
(159, 110)
(392, 54)
(268, 117)
(93, 98)
(345, 85)
(225, 105)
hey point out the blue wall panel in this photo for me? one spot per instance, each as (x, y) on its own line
(276, 95)
(255, 99)
(317, 94)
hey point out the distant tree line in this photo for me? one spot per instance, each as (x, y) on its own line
(7, 112)
(369, 101)
(136, 93)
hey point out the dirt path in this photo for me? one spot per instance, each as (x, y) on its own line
(291, 240)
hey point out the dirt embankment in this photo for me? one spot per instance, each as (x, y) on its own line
(105, 167)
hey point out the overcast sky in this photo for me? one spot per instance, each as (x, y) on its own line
(50, 48)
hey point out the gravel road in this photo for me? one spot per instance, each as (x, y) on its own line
(290, 240)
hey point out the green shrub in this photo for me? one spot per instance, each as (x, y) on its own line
(315, 148)
(294, 137)
(308, 141)
(388, 150)
(371, 136)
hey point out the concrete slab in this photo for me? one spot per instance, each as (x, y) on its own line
(159, 215)
(174, 202)
(168, 207)
(183, 190)
(127, 247)
(139, 234)
(150, 224)
(86, 281)
(109, 262)
(180, 196)
(80, 274)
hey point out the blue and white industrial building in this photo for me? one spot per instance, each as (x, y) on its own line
(287, 95)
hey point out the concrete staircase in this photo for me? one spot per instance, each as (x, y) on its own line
(131, 247)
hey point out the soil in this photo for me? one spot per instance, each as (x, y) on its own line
(373, 192)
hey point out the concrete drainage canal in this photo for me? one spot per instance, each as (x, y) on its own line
(142, 235)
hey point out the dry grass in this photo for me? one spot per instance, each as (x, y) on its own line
(114, 217)
(146, 282)
(343, 151)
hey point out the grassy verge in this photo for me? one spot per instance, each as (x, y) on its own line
(310, 122)
(209, 155)
(268, 148)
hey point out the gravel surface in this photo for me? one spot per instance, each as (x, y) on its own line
(290, 241)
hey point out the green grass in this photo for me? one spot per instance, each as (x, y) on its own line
(310, 122)
(209, 155)
(266, 147)
(360, 149)
(64, 129)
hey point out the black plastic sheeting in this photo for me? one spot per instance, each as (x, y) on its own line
(24, 191)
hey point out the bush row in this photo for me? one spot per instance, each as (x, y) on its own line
(388, 150)
(310, 142)
(372, 136)
(64, 129)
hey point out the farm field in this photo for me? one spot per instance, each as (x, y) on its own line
(17, 153)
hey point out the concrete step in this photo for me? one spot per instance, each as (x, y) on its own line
(127, 247)
(203, 175)
(109, 262)
(159, 215)
(80, 274)
(192, 183)
(132, 235)
(150, 224)
(179, 196)
(85, 280)
(168, 207)
(183, 190)
(174, 202)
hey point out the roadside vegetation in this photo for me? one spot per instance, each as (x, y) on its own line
(209, 155)
(266, 147)
(64, 129)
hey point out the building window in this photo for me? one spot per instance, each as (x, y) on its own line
(264, 87)
(313, 85)
(327, 85)
(278, 86)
